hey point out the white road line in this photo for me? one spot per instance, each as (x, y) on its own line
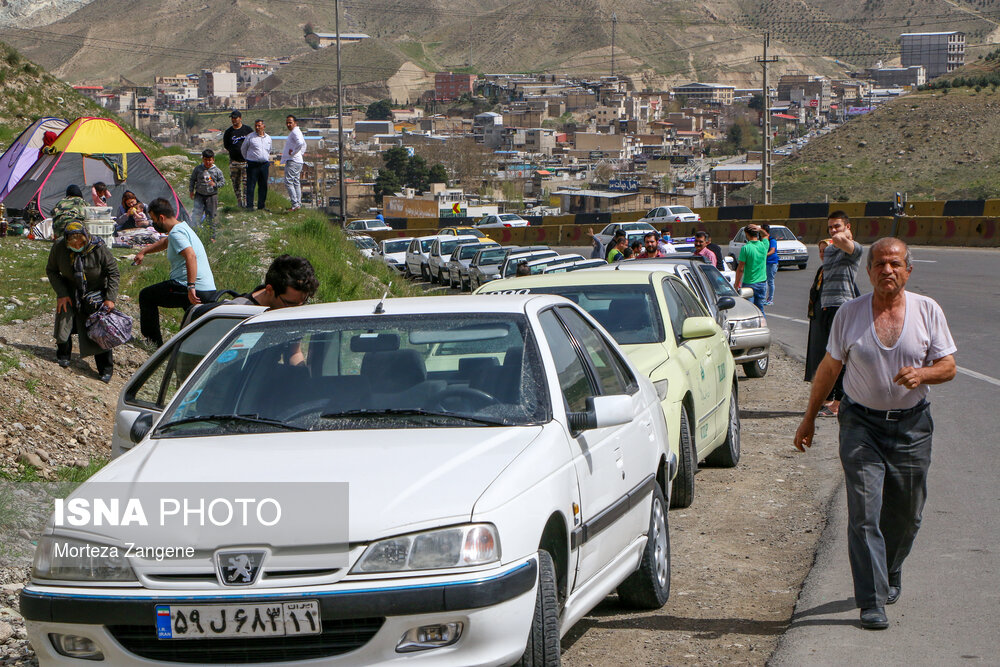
(979, 376)
(785, 317)
(964, 371)
(925, 261)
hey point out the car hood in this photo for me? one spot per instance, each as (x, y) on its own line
(742, 310)
(399, 480)
(646, 357)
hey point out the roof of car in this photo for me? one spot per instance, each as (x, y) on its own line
(581, 277)
(398, 238)
(432, 237)
(409, 306)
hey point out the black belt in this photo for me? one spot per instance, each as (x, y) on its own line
(892, 415)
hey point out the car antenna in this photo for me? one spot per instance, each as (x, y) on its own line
(380, 306)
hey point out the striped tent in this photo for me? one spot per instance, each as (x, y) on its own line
(25, 151)
(91, 150)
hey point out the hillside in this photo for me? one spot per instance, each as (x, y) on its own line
(928, 145)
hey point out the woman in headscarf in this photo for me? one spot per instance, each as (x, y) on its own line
(84, 275)
(131, 213)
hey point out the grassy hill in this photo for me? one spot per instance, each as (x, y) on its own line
(930, 145)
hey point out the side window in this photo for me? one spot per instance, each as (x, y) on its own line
(740, 237)
(160, 382)
(413, 246)
(692, 306)
(675, 307)
(573, 380)
(601, 357)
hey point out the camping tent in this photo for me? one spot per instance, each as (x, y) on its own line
(24, 152)
(88, 151)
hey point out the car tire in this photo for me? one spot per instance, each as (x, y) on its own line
(727, 455)
(543, 646)
(406, 271)
(649, 586)
(440, 277)
(424, 273)
(757, 369)
(682, 488)
(801, 266)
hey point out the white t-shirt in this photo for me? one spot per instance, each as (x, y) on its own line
(871, 366)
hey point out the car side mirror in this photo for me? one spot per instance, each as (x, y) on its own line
(698, 327)
(746, 292)
(140, 427)
(725, 303)
(799, 238)
(602, 412)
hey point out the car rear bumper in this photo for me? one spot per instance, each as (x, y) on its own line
(750, 345)
(361, 627)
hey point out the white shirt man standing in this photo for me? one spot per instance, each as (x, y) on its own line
(291, 157)
(256, 148)
(893, 344)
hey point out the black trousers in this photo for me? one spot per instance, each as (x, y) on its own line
(824, 322)
(885, 468)
(168, 294)
(105, 360)
(257, 177)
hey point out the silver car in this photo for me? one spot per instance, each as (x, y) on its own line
(440, 255)
(501, 220)
(461, 258)
(417, 255)
(393, 252)
(509, 268)
(486, 265)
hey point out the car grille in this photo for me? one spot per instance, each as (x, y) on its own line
(338, 637)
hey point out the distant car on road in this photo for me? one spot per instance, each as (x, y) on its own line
(501, 220)
(373, 225)
(393, 252)
(461, 258)
(630, 228)
(791, 251)
(365, 244)
(440, 254)
(671, 214)
(461, 231)
(418, 254)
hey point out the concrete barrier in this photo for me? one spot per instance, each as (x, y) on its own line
(925, 208)
(771, 211)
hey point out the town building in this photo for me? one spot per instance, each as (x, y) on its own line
(806, 90)
(914, 75)
(450, 86)
(330, 38)
(938, 52)
(220, 85)
(709, 93)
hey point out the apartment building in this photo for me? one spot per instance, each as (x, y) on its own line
(938, 52)
(884, 77)
(709, 93)
(450, 86)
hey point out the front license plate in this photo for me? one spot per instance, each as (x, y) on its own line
(207, 621)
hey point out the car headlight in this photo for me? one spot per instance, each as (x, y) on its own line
(76, 560)
(459, 546)
(749, 323)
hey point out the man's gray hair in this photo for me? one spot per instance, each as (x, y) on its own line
(889, 241)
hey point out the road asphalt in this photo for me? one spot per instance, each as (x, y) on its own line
(951, 581)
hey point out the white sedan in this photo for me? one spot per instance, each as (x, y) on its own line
(632, 229)
(501, 220)
(454, 480)
(393, 252)
(671, 214)
(373, 225)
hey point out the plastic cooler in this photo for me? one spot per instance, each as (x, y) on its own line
(105, 230)
(98, 212)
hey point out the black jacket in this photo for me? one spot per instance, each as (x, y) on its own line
(231, 140)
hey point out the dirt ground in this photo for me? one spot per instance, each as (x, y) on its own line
(739, 553)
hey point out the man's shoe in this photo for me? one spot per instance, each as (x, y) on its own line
(63, 363)
(106, 377)
(874, 618)
(894, 593)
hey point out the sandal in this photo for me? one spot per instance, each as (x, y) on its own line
(825, 411)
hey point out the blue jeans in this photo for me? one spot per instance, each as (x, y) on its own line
(772, 269)
(759, 290)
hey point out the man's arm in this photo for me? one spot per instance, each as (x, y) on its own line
(227, 139)
(244, 145)
(191, 261)
(739, 274)
(844, 240)
(771, 249)
(940, 371)
(152, 247)
(823, 381)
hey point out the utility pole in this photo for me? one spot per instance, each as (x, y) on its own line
(340, 123)
(614, 25)
(766, 158)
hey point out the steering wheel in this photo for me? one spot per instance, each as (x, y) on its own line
(463, 399)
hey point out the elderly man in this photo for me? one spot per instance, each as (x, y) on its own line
(893, 344)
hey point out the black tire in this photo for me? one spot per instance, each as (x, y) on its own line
(682, 488)
(425, 275)
(727, 455)
(440, 278)
(406, 271)
(801, 266)
(649, 586)
(757, 369)
(543, 647)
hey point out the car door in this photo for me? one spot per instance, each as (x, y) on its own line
(737, 243)
(413, 256)
(600, 529)
(150, 389)
(708, 354)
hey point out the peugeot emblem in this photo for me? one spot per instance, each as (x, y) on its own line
(239, 568)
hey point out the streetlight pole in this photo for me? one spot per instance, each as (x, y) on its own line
(340, 123)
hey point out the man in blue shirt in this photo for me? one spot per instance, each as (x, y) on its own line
(772, 262)
(191, 281)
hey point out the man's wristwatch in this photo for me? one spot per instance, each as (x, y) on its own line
(190, 285)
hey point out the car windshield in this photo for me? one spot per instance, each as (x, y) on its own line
(628, 312)
(395, 246)
(636, 225)
(782, 234)
(679, 209)
(510, 216)
(376, 372)
(511, 266)
(469, 251)
(364, 242)
(447, 247)
(492, 256)
(719, 284)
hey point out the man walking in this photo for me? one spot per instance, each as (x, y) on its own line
(751, 265)
(771, 266)
(291, 157)
(841, 260)
(256, 150)
(893, 344)
(232, 140)
(191, 281)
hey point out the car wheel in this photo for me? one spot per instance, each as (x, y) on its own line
(543, 647)
(424, 273)
(801, 266)
(406, 271)
(682, 488)
(649, 586)
(727, 455)
(440, 277)
(756, 369)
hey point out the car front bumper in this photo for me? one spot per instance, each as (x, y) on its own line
(362, 624)
(797, 258)
(749, 344)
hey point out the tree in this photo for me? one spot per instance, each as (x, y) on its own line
(756, 102)
(735, 135)
(381, 110)
(387, 183)
(416, 173)
(397, 160)
(438, 174)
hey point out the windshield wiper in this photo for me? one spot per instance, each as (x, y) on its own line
(411, 412)
(248, 419)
